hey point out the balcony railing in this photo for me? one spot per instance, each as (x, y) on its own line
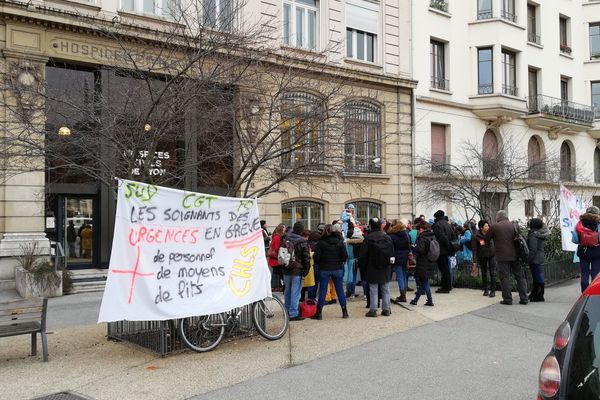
(532, 37)
(568, 175)
(441, 5)
(537, 171)
(485, 89)
(484, 14)
(596, 112)
(568, 110)
(363, 164)
(509, 16)
(565, 48)
(440, 83)
(440, 163)
(493, 167)
(510, 90)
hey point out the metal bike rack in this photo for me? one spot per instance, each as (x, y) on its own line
(162, 337)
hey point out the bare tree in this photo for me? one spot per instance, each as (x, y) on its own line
(482, 182)
(206, 102)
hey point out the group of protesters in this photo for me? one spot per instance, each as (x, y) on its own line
(327, 265)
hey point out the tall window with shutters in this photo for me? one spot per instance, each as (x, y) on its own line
(362, 29)
(439, 160)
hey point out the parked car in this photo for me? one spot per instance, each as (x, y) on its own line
(572, 368)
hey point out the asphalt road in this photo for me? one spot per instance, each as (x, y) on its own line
(493, 353)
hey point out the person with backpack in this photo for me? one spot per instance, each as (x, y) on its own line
(375, 260)
(427, 251)
(504, 233)
(588, 249)
(448, 240)
(483, 253)
(538, 234)
(294, 257)
(401, 240)
(330, 255)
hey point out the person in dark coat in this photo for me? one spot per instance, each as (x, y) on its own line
(330, 255)
(444, 235)
(401, 240)
(425, 268)
(483, 253)
(589, 256)
(538, 234)
(292, 277)
(378, 270)
(503, 235)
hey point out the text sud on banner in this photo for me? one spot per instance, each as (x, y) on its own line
(178, 254)
(571, 207)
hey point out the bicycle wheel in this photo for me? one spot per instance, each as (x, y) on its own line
(202, 333)
(270, 318)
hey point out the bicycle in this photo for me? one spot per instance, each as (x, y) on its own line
(204, 333)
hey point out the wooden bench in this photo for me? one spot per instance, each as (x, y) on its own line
(24, 317)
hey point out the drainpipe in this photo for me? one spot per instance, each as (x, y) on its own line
(413, 118)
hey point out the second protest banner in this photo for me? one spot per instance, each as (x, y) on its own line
(178, 254)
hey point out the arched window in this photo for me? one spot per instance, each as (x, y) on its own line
(597, 165)
(534, 158)
(302, 118)
(567, 162)
(492, 160)
(365, 210)
(363, 137)
(310, 213)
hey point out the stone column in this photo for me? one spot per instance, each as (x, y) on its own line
(22, 175)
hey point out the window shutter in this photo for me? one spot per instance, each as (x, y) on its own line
(362, 15)
(438, 142)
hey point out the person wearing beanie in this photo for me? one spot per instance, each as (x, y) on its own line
(298, 267)
(588, 249)
(375, 259)
(347, 216)
(425, 268)
(448, 240)
(503, 233)
(483, 254)
(538, 234)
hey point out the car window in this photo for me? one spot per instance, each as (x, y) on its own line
(584, 371)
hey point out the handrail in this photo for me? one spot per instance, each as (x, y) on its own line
(568, 110)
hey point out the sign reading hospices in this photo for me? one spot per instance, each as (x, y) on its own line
(178, 254)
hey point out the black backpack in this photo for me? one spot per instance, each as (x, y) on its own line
(380, 252)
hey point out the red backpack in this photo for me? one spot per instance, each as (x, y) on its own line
(587, 237)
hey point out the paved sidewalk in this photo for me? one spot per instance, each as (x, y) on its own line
(82, 360)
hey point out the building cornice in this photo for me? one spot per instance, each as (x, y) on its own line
(441, 102)
(90, 24)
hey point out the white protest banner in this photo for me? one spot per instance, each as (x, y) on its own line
(178, 254)
(571, 207)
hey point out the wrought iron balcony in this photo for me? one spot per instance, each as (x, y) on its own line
(440, 163)
(366, 164)
(510, 90)
(534, 38)
(441, 5)
(564, 109)
(485, 89)
(509, 16)
(565, 48)
(493, 167)
(568, 175)
(438, 82)
(484, 14)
